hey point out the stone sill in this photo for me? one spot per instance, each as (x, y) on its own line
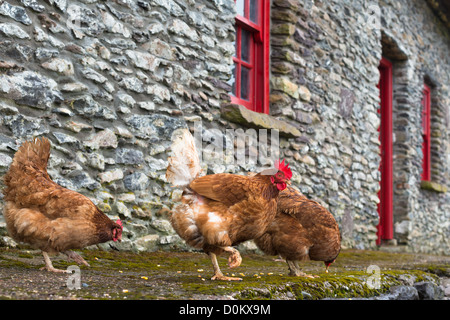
(241, 115)
(433, 186)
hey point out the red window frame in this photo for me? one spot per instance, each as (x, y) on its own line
(426, 133)
(385, 207)
(258, 63)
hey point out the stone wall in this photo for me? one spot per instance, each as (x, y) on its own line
(331, 60)
(109, 81)
(418, 44)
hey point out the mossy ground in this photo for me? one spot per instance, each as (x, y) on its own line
(186, 275)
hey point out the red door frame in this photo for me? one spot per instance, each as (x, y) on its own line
(385, 207)
(426, 133)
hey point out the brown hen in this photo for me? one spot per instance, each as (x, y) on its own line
(47, 216)
(219, 211)
(302, 230)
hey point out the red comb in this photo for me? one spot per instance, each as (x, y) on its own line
(119, 222)
(284, 167)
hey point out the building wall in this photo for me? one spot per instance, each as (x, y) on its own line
(108, 83)
(419, 46)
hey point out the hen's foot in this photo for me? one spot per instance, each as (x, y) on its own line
(52, 269)
(294, 270)
(76, 257)
(235, 259)
(225, 278)
(48, 265)
(302, 274)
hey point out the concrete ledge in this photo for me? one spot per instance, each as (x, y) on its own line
(239, 114)
(433, 186)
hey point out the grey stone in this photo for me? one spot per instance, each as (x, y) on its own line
(171, 6)
(44, 54)
(129, 156)
(160, 93)
(7, 143)
(160, 49)
(63, 138)
(162, 225)
(123, 209)
(180, 28)
(136, 181)
(404, 292)
(109, 176)
(17, 13)
(60, 65)
(74, 87)
(428, 291)
(29, 88)
(103, 139)
(93, 75)
(155, 126)
(5, 160)
(26, 127)
(156, 164)
(83, 21)
(13, 31)
(33, 4)
(240, 114)
(8, 110)
(96, 160)
(147, 105)
(88, 107)
(60, 4)
(148, 242)
(143, 60)
(132, 84)
(82, 180)
(114, 26)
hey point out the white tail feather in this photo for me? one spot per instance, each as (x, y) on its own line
(184, 164)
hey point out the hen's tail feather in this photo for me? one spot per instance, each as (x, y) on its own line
(32, 155)
(184, 164)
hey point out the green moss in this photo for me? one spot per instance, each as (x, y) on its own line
(433, 186)
(183, 275)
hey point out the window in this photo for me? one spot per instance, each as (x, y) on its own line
(250, 81)
(426, 133)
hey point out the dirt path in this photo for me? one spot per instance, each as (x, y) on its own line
(186, 275)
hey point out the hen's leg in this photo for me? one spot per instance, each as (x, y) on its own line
(49, 266)
(294, 270)
(76, 257)
(218, 275)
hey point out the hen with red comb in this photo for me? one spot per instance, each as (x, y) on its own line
(283, 175)
(284, 167)
(219, 211)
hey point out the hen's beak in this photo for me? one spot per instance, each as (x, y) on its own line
(288, 182)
